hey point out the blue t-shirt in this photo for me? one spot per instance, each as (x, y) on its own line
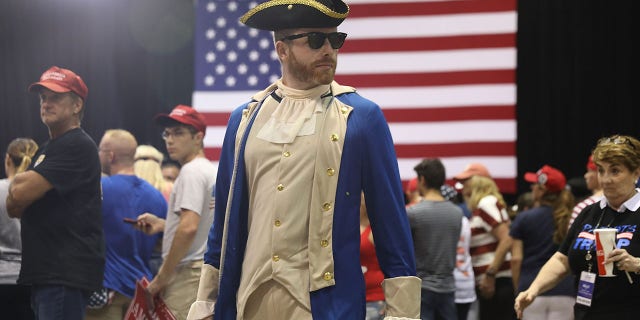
(535, 228)
(128, 250)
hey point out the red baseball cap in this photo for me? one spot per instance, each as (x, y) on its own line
(548, 176)
(472, 169)
(182, 114)
(412, 185)
(591, 165)
(61, 80)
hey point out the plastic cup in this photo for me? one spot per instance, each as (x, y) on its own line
(605, 243)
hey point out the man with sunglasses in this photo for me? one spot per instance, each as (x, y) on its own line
(285, 239)
(190, 211)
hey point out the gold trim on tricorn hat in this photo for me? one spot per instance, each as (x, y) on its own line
(277, 15)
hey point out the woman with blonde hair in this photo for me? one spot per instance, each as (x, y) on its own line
(14, 299)
(489, 247)
(147, 166)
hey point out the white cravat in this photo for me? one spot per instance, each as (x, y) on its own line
(295, 115)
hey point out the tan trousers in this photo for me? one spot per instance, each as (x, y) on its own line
(271, 301)
(115, 311)
(181, 291)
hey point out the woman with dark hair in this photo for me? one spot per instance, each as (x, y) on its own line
(537, 234)
(618, 162)
(14, 299)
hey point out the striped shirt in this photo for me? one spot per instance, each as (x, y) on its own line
(581, 205)
(484, 219)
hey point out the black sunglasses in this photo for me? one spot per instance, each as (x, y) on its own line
(316, 39)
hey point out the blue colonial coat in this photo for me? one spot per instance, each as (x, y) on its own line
(368, 163)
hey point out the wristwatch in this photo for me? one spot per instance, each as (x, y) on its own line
(490, 273)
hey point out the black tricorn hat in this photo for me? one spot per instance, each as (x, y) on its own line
(277, 15)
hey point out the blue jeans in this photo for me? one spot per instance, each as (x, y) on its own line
(58, 302)
(438, 305)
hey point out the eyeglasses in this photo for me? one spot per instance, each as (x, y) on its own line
(176, 134)
(316, 39)
(618, 140)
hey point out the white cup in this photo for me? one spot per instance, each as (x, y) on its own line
(605, 243)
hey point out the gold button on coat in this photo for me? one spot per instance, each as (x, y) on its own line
(277, 223)
(334, 137)
(344, 110)
(326, 206)
(331, 172)
(276, 258)
(280, 187)
(286, 154)
(327, 276)
(324, 243)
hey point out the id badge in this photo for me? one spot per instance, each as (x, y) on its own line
(585, 288)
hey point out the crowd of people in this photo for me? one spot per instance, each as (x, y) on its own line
(537, 258)
(304, 164)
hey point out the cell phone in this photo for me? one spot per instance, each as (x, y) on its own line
(129, 220)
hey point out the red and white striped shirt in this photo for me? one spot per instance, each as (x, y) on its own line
(484, 219)
(581, 205)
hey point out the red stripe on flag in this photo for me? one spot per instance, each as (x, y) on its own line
(212, 153)
(427, 78)
(465, 149)
(449, 114)
(216, 118)
(506, 185)
(428, 8)
(506, 40)
(417, 114)
(430, 150)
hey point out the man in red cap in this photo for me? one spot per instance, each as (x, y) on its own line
(190, 212)
(294, 161)
(59, 203)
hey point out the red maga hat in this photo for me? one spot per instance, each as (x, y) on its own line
(182, 114)
(61, 80)
(551, 178)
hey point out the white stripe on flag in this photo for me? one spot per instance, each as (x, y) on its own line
(424, 132)
(499, 167)
(430, 26)
(453, 131)
(427, 61)
(387, 98)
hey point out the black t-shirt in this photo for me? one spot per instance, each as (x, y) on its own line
(62, 238)
(611, 295)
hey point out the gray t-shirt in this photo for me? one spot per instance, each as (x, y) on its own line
(435, 228)
(192, 190)
(10, 243)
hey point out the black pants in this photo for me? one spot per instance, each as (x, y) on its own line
(500, 306)
(15, 302)
(463, 310)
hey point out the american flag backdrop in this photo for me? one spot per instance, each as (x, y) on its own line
(443, 73)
